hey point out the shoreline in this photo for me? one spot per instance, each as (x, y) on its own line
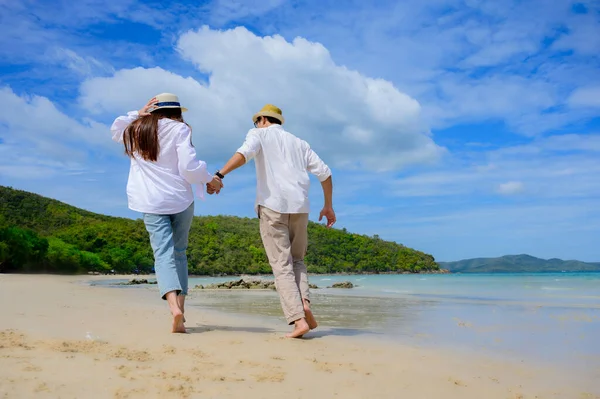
(264, 275)
(63, 326)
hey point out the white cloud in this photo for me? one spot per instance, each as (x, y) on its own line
(18, 162)
(585, 97)
(83, 65)
(39, 141)
(494, 97)
(583, 35)
(511, 188)
(464, 62)
(562, 166)
(571, 142)
(353, 121)
(473, 61)
(553, 144)
(32, 30)
(223, 11)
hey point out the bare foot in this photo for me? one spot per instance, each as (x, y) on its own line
(178, 326)
(301, 327)
(181, 304)
(310, 318)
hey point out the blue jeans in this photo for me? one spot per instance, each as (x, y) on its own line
(169, 241)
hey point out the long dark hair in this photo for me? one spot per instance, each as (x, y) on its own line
(141, 136)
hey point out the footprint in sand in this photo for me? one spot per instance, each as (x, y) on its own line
(457, 382)
(274, 376)
(32, 368)
(43, 387)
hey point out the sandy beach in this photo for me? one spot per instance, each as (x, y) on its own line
(61, 337)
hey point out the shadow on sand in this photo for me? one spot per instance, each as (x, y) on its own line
(206, 328)
(318, 333)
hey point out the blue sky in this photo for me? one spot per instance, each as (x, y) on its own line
(461, 128)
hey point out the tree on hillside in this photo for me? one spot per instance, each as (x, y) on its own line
(21, 249)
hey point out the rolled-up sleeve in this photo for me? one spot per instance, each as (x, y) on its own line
(191, 169)
(316, 166)
(251, 146)
(120, 124)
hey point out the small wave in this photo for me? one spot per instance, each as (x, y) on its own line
(395, 291)
(422, 279)
(325, 279)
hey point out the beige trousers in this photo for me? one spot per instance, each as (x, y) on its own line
(285, 237)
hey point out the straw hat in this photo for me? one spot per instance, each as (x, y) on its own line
(269, 110)
(167, 100)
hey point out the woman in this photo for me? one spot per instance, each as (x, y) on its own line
(163, 168)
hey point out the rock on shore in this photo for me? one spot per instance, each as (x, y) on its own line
(244, 284)
(138, 282)
(345, 284)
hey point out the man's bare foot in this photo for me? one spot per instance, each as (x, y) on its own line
(301, 327)
(178, 326)
(310, 318)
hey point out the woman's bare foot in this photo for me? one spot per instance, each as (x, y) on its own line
(176, 307)
(178, 326)
(300, 328)
(310, 318)
(181, 304)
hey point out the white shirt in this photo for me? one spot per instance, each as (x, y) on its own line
(163, 187)
(282, 165)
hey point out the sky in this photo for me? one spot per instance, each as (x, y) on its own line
(461, 128)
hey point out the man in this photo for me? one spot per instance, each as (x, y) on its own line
(282, 165)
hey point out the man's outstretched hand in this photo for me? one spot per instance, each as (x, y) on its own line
(329, 214)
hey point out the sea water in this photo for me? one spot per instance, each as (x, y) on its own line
(548, 317)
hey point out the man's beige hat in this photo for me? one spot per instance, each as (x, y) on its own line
(269, 110)
(167, 100)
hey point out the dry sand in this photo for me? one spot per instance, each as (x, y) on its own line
(61, 338)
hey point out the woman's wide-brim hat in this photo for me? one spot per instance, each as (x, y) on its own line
(269, 110)
(167, 100)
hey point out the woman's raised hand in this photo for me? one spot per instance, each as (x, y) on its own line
(145, 109)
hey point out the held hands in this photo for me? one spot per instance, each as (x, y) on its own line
(329, 214)
(214, 186)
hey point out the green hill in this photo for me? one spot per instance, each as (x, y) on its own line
(39, 234)
(518, 264)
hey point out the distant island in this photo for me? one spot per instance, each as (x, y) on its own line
(519, 264)
(39, 234)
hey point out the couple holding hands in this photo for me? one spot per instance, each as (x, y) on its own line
(163, 168)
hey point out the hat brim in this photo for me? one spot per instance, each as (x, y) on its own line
(183, 109)
(275, 115)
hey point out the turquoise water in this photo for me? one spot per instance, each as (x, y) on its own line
(562, 290)
(550, 318)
